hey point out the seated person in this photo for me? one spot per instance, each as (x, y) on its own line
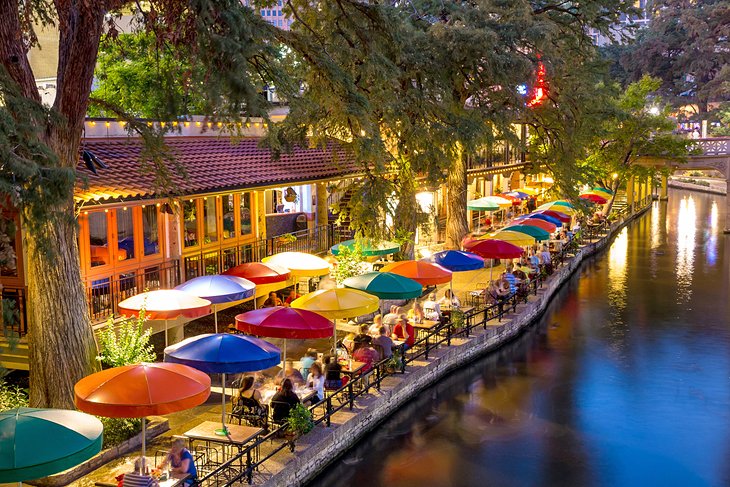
(507, 274)
(431, 308)
(315, 380)
(375, 326)
(139, 477)
(365, 353)
(181, 462)
(283, 401)
(503, 288)
(449, 301)
(248, 389)
(385, 343)
(404, 331)
(364, 328)
(349, 342)
(307, 360)
(291, 297)
(291, 374)
(272, 300)
(332, 373)
(519, 273)
(391, 318)
(416, 313)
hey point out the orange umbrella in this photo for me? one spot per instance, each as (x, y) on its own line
(421, 271)
(165, 304)
(137, 391)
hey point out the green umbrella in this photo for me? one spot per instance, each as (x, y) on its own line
(482, 204)
(535, 232)
(603, 190)
(385, 285)
(368, 248)
(35, 443)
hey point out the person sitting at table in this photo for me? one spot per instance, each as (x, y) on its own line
(181, 462)
(272, 300)
(248, 389)
(332, 373)
(503, 288)
(364, 328)
(431, 308)
(391, 318)
(546, 260)
(375, 326)
(449, 301)
(404, 331)
(511, 279)
(349, 342)
(307, 360)
(139, 477)
(315, 380)
(283, 401)
(519, 273)
(365, 353)
(384, 342)
(290, 373)
(291, 297)
(416, 313)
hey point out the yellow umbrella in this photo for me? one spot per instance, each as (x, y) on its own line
(338, 303)
(530, 191)
(557, 206)
(300, 263)
(516, 238)
(539, 184)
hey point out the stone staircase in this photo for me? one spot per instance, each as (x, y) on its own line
(14, 354)
(619, 202)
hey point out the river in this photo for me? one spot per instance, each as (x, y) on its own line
(624, 381)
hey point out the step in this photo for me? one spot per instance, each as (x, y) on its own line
(15, 358)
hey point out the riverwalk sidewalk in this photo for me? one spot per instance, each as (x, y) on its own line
(346, 423)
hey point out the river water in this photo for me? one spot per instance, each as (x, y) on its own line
(625, 381)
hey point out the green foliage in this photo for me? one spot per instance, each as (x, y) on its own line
(126, 343)
(12, 396)
(300, 420)
(350, 263)
(117, 430)
(457, 318)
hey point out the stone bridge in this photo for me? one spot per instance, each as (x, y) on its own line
(714, 153)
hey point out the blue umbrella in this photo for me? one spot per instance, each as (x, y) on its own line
(224, 353)
(540, 216)
(458, 261)
(219, 289)
(519, 194)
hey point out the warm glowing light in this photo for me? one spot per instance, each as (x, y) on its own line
(617, 267)
(187, 124)
(614, 175)
(107, 124)
(197, 124)
(686, 238)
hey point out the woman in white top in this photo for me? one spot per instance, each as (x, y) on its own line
(449, 301)
(545, 255)
(315, 380)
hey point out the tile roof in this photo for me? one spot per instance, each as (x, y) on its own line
(212, 163)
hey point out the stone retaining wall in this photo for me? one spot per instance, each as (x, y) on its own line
(305, 465)
(695, 187)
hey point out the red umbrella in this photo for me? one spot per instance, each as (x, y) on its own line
(536, 222)
(259, 273)
(594, 198)
(515, 200)
(165, 304)
(423, 272)
(494, 249)
(282, 322)
(137, 391)
(556, 214)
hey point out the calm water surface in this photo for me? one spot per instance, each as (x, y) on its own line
(626, 380)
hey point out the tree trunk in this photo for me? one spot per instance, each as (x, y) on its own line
(61, 345)
(406, 214)
(457, 225)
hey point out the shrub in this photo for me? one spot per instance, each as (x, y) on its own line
(126, 343)
(299, 421)
(117, 430)
(12, 396)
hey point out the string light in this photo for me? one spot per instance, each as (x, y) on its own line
(541, 87)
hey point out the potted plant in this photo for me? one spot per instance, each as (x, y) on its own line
(286, 238)
(457, 319)
(394, 363)
(298, 423)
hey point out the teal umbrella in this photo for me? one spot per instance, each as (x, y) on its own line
(35, 443)
(481, 204)
(368, 248)
(537, 233)
(385, 285)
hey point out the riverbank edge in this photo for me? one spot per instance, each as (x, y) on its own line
(695, 187)
(327, 449)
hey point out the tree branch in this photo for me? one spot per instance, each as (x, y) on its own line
(13, 52)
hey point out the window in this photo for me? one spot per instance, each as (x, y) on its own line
(150, 230)
(8, 250)
(229, 213)
(280, 23)
(245, 213)
(98, 239)
(190, 223)
(210, 222)
(125, 234)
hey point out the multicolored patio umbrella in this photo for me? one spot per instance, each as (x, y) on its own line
(538, 233)
(337, 304)
(385, 285)
(539, 223)
(165, 304)
(141, 390)
(482, 204)
(514, 199)
(498, 200)
(283, 322)
(599, 199)
(599, 190)
(458, 261)
(518, 194)
(530, 191)
(542, 216)
(368, 248)
(561, 206)
(224, 353)
(35, 443)
(557, 214)
(219, 289)
(425, 273)
(300, 263)
(516, 238)
(259, 273)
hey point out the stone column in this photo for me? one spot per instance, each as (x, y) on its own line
(664, 195)
(630, 192)
(322, 207)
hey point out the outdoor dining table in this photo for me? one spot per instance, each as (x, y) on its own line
(304, 393)
(425, 326)
(238, 436)
(351, 367)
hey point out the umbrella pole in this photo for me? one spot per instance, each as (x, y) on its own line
(144, 446)
(284, 362)
(165, 333)
(215, 317)
(334, 337)
(223, 431)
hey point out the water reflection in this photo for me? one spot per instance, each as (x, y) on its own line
(711, 235)
(559, 407)
(686, 234)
